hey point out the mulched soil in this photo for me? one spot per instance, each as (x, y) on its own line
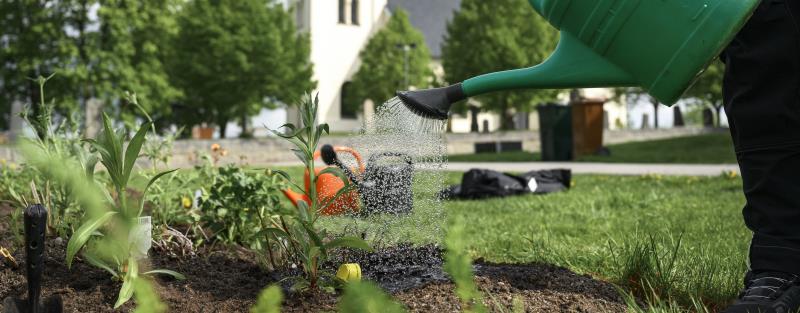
(226, 280)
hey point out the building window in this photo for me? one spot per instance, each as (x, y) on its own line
(342, 12)
(354, 12)
(347, 109)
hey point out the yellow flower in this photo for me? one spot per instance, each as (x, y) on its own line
(187, 203)
(215, 147)
(2, 161)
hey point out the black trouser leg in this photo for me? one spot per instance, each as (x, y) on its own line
(762, 102)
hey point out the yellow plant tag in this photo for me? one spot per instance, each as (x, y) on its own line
(349, 272)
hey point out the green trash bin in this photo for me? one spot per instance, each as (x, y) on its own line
(555, 132)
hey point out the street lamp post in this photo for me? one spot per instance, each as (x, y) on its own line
(406, 50)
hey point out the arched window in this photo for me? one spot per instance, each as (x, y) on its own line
(354, 12)
(342, 12)
(347, 110)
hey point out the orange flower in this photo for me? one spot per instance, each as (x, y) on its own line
(223, 152)
(215, 147)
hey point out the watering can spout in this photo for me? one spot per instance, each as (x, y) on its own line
(660, 46)
(573, 65)
(295, 197)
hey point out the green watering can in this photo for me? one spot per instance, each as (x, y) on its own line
(659, 45)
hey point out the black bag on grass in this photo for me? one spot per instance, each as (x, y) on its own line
(482, 183)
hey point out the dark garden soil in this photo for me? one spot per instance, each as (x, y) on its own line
(225, 280)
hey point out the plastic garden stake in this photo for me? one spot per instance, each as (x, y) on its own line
(658, 45)
(35, 228)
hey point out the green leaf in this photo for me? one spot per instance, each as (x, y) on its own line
(273, 231)
(314, 237)
(112, 159)
(269, 301)
(313, 252)
(149, 183)
(99, 264)
(366, 297)
(302, 210)
(147, 300)
(349, 242)
(133, 149)
(172, 273)
(301, 156)
(126, 292)
(80, 236)
(89, 166)
(289, 179)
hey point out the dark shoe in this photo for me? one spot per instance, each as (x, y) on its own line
(768, 292)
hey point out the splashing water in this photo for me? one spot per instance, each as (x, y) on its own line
(397, 134)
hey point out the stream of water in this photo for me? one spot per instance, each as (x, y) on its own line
(396, 129)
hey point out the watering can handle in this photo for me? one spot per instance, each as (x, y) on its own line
(406, 157)
(349, 150)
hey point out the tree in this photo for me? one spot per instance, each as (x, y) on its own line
(121, 48)
(234, 57)
(708, 89)
(32, 44)
(488, 36)
(133, 45)
(395, 58)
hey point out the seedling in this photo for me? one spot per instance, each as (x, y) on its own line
(304, 242)
(116, 256)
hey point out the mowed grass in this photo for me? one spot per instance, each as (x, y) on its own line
(666, 239)
(716, 148)
(677, 242)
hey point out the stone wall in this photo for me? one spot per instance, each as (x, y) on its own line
(262, 151)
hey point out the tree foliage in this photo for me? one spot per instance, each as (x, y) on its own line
(99, 48)
(708, 88)
(134, 44)
(32, 44)
(384, 65)
(489, 36)
(233, 58)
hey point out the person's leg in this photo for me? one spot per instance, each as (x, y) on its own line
(762, 102)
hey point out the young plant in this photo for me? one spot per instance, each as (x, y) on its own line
(304, 242)
(27, 185)
(237, 203)
(269, 301)
(365, 297)
(116, 252)
(459, 265)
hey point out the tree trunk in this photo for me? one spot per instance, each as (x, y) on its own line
(677, 117)
(506, 120)
(243, 123)
(655, 112)
(473, 126)
(223, 128)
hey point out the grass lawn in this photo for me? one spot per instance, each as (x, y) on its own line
(683, 235)
(709, 149)
(674, 241)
